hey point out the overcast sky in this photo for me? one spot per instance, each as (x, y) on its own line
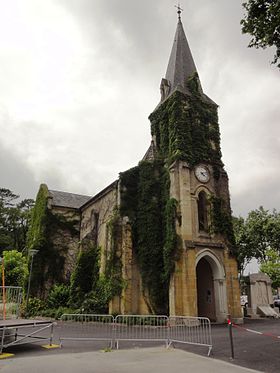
(79, 78)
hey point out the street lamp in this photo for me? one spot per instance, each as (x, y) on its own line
(3, 287)
(32, 252)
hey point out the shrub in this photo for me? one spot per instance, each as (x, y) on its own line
(58, 296)
(35, 306)
(16, 269)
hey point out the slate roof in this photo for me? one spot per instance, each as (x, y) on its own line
(180, 67)
(150, 153)
(181, 64)
(70, 200)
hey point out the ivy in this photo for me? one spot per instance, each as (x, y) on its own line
(86, 273)
(172, 240)
(145, 200)
(186, 127)
(49, 261)
(90, 290)
(36, 237)
(221, 221)
(112, 278)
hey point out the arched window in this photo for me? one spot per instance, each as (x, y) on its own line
(202, 212)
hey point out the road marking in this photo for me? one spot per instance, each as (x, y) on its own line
(6, 355)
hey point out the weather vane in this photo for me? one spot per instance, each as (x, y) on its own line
(179, 10)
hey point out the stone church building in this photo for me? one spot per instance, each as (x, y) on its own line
(164, 225)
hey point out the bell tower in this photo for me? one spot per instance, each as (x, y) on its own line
(185, 133)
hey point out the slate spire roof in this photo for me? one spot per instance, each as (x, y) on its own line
(180, 66)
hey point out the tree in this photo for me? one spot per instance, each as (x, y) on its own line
(14, 220)
(262, 22)
(16, 268)
(255, 235)
(271, 266)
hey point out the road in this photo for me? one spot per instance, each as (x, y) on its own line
(255, 351)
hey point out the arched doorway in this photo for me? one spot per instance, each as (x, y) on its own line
(205, 290)
(211, 286)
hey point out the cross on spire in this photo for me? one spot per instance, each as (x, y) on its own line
(179, 11)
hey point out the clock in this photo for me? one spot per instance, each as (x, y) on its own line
(202, 173)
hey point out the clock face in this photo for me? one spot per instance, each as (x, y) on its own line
(202, 173)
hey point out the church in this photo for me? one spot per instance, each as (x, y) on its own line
(162, 232)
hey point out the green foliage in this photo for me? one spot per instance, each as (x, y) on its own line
(244, 254)
(129, 180)
(111, 282)
(221, 221)
(271, 266)
(37, 237)
(58, 296)
(90, 290)
(86, 274)
(16, 268)
(14, 220)
(186, 127)
(35, 306)
(38, 307)
(262, 22)
(97, 300)
(255, 234)
(144, 199)
(172, 240)
(55, 313)
(49, 261)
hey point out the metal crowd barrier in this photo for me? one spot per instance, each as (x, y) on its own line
(191, 330)
(145, 328)
(10, 300)
(141, 328)
(87, 327)
(22, 331)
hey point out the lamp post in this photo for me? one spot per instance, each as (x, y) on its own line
(32, 252)
(3, 287)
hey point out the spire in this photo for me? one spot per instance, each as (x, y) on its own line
(181, 64)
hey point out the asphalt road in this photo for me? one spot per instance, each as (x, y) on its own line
(255, 351)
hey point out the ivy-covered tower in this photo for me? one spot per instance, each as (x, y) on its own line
(186, 137)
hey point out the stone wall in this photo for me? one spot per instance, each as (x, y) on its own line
(201, 244)
(66, 239)
(95, 216)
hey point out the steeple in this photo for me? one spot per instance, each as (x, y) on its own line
(180, 66)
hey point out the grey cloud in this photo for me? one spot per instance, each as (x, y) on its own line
(15, 175)
(128, 46)
(262, 192)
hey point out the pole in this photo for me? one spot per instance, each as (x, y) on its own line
(230, 338)
(4, 289)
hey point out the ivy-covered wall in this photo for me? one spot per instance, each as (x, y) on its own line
(92, 290)
(145, 200)
(221, 221)
(186, 127)
(51, 234)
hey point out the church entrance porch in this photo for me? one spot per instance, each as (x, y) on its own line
(211, 287)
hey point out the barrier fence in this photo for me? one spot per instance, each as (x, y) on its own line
(87, 327)
(143, 328)
(191, 330)
(10, 300)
